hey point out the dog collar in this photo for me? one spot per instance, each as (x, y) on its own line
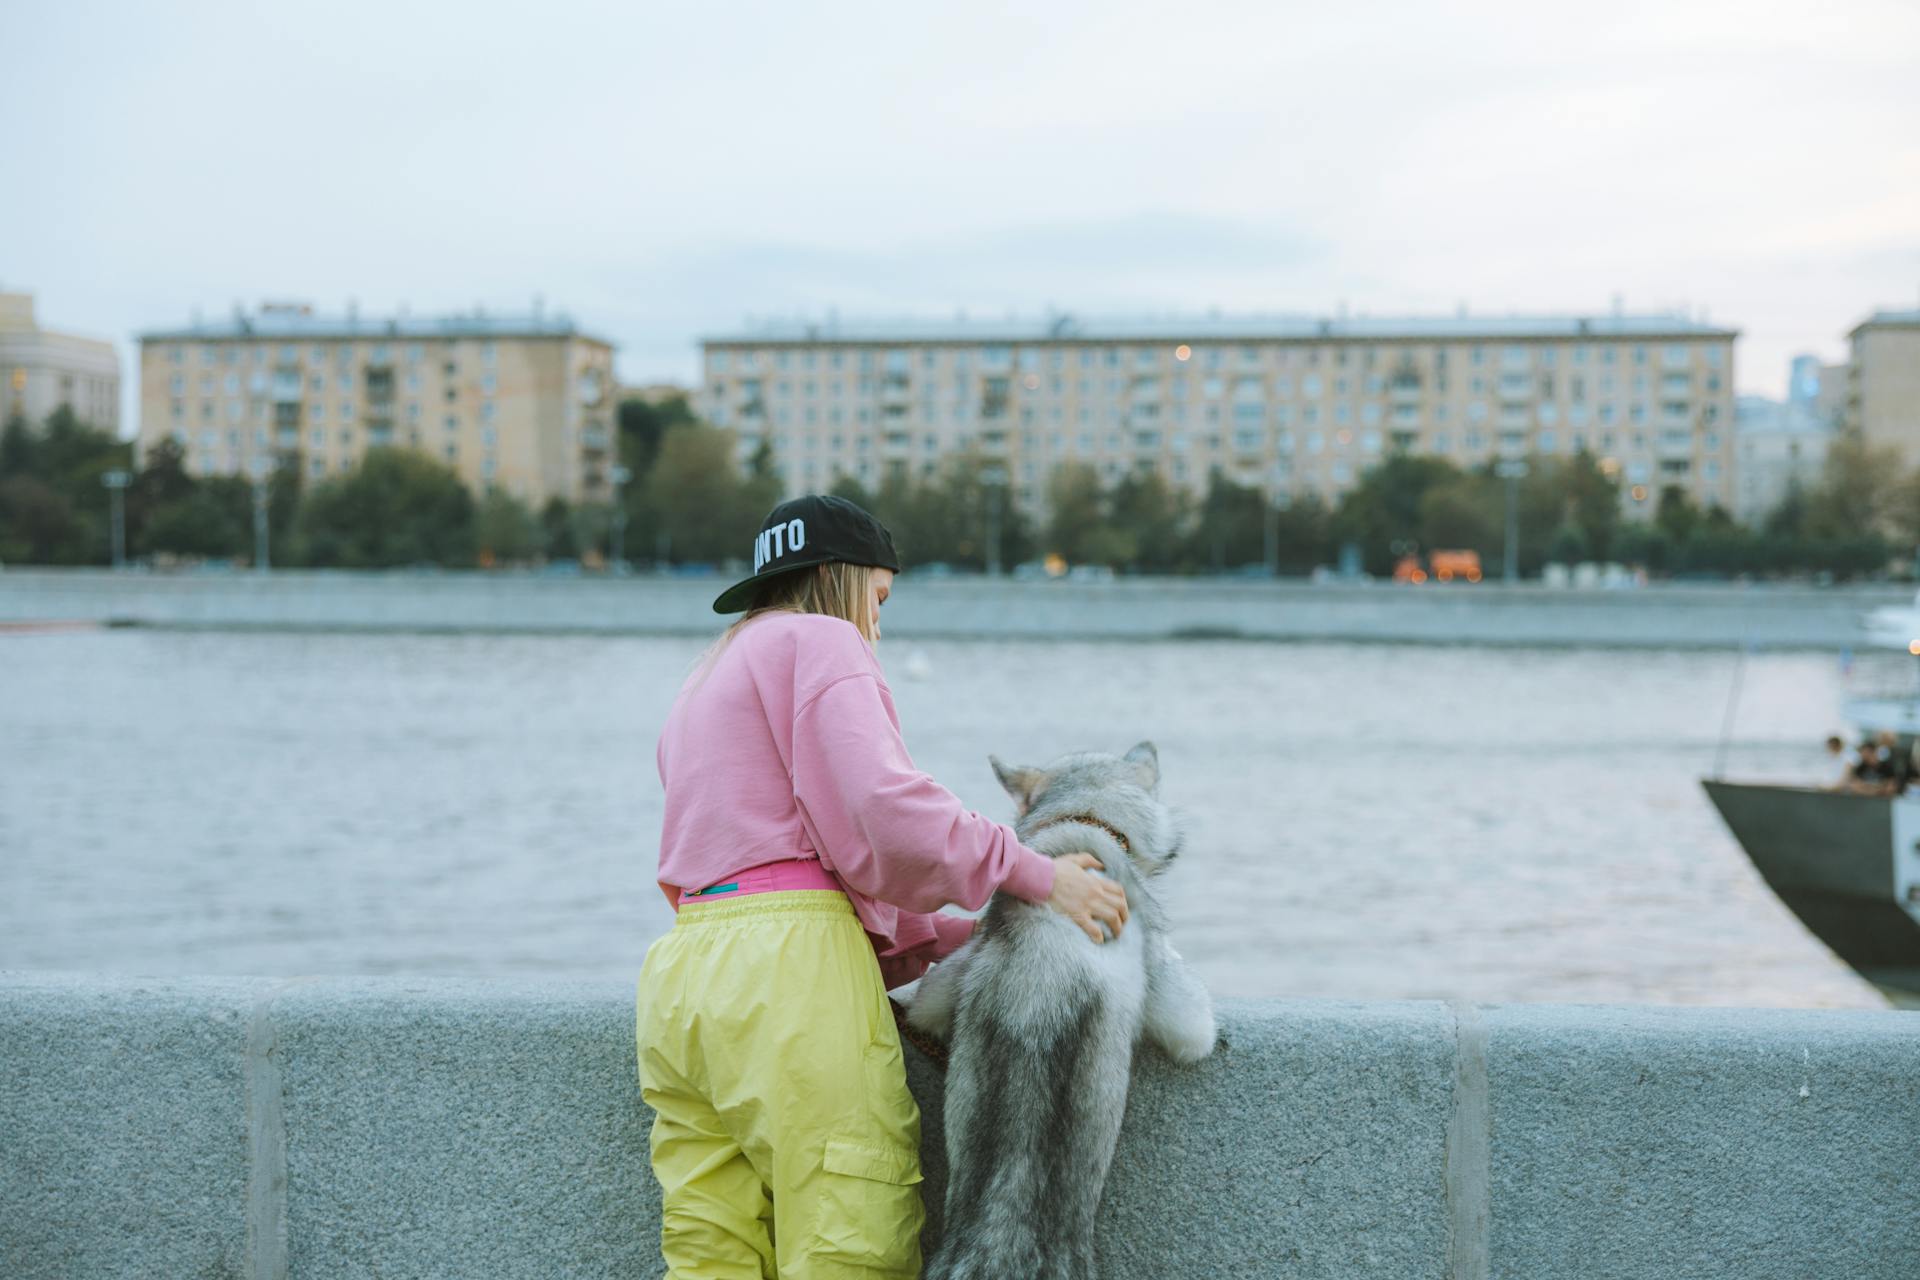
(1091, 821)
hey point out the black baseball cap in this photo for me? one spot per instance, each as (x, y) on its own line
(816, 529)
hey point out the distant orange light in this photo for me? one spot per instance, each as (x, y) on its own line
(1183, 352)
(1639, 493)
(1913, 648)
(1420, 575)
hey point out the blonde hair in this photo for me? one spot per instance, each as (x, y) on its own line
(836, 588)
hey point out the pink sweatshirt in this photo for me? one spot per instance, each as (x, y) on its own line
(790, 747)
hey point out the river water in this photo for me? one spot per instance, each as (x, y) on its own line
(1367, 821)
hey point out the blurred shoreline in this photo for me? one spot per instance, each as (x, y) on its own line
(1666, 615)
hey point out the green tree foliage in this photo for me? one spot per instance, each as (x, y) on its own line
(703, 508)
(1230, 531)
(1464, 512)
(16, 446)
(1592, 499)
(689, 498)
(643, 426)
(1425, 504)
(1382, 512)
(642, 430)
(946, 516)
(1569, 544)
(170, 513)
(556, 530)
(1857, 491)
(1304, 530)
(396, 508)
(1159, 517)
(55, 510)
(1079, 530)
(37, 525)
(1676, 515)
(505, 530)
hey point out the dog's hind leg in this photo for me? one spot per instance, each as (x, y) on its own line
(938, 995)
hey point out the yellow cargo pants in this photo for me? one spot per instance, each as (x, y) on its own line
(784, 1137)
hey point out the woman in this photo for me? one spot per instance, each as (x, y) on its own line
(807, 860)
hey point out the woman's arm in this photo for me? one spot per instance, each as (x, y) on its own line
(889, 830)
(950, 933)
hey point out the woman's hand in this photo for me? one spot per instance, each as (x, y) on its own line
(1088, 900)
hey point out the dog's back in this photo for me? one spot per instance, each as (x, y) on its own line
(1037, 1080)
(1043, 1023)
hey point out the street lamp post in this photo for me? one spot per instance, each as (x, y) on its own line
(616, 542)
(116, 482)
(262, 470)
(1278, 500)
(1512, 470)
(993, 478)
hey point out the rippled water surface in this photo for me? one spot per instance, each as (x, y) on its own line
(1364, 821)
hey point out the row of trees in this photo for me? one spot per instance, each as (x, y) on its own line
(687, 501)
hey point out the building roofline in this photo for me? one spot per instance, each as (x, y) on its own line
(296, 326)
(1887, 320)
(1068, 329)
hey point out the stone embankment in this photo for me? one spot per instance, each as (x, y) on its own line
(262, 1128)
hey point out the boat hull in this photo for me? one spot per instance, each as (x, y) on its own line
(1846, 864)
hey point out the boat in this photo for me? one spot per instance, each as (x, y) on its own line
(1848, 863)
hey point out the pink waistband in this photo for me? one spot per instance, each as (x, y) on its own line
(790, 873)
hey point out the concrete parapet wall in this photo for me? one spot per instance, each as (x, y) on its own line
(1665, 616)
(397, 1127)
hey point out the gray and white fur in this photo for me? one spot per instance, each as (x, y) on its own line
(1042, 1024)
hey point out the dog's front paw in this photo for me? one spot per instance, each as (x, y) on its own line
(1190, 1039)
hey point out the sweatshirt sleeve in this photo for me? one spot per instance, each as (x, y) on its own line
(889, 830)
(950, 932)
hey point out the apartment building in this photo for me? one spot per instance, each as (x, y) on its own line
(1883, 391)
(1292, 405)
(523, 403)
(41, 370)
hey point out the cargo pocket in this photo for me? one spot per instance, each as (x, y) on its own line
(871, 1212)
(871, 1215)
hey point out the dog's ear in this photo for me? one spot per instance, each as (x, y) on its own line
(1146, 760)
(1022, 784)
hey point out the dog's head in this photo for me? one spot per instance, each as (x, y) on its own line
(1121, 791)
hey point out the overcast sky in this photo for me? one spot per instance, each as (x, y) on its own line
(664, 172)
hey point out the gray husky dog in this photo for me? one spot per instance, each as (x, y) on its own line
(1043, 1022)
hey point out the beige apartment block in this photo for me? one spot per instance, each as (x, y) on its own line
(40, 370)
(1294, 406)
(522, 403)
(1883, 393)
